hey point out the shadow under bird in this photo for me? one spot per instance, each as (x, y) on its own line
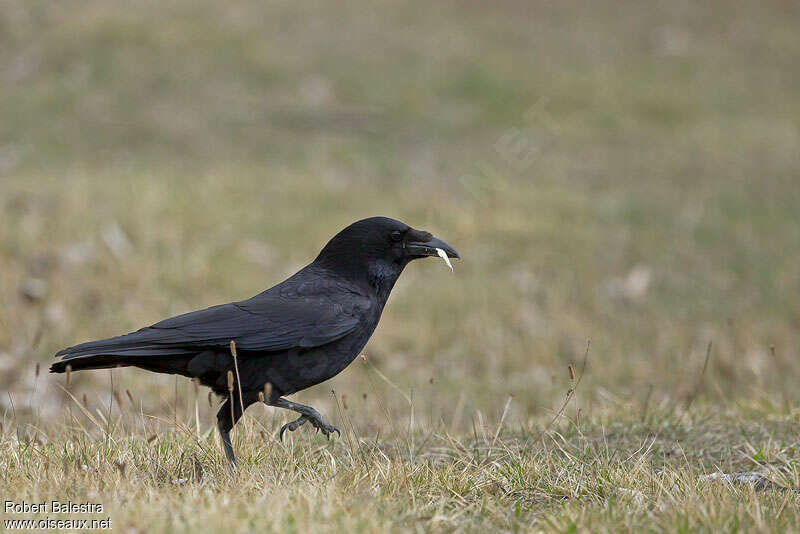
(292, 336)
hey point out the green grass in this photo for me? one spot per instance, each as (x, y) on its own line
(620, 172)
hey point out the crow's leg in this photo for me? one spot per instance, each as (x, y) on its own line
(224, 425)
(226, 420)
(307, 414)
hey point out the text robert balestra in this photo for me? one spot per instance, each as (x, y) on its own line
(52, 507)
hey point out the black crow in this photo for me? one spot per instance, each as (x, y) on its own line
(292, 336)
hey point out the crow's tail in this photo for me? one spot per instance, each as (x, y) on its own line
(137, 349)
(79, 363)
(175, 364)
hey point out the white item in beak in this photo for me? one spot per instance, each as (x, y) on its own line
(443, 255)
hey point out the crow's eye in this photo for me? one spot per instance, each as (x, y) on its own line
(397, 236)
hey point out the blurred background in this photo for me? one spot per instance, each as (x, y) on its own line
(625, 172)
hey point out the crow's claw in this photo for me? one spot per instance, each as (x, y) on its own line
(293, 425)
(317, 422)
(325, 428)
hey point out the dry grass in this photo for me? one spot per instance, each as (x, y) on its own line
(624, 172)
(623, 471)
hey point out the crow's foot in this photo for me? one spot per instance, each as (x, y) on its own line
(316, 421)
(293, 425)
(322, 426)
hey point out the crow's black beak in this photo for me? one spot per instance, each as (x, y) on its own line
(428, 248)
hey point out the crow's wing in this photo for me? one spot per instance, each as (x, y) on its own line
(268, 322)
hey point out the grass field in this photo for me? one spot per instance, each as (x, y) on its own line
(618, 176)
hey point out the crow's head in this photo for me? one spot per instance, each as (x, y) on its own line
(379, 248)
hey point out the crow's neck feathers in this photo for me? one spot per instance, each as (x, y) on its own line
(382, 277)
(363, 259)
(377, 276)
